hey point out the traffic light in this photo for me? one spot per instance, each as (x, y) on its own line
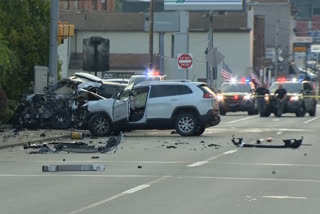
(65, 30)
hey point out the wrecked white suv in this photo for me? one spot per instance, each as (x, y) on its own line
(188, 107)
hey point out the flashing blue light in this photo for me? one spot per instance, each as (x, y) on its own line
(300, 80)
(247, 81)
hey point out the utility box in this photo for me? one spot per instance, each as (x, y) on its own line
(40, 78)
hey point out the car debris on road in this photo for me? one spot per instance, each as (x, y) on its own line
(288, 143)
(77, 147)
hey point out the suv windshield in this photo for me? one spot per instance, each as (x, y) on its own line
(290, 87)
(242, 88)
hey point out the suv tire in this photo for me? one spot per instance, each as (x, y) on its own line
(99, 125)
(186, 124)
(199, 131)
(313, 112)
(223, 112)
(301, 112)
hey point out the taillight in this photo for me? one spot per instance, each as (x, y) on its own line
(207, 95)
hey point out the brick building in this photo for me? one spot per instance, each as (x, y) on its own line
(107, 5)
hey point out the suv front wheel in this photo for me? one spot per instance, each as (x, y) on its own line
(99, 125)
(186, 124)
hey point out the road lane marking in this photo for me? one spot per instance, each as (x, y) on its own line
(276, 120)
(136, 189)
(309, 121)
(242, 119)
(130, 191)
(103, 161)
(200, 163)
(230, 152)
(272, 164)
(283, 197)
(77, 175)
(279, 132)
(197, 163)
(253, 179)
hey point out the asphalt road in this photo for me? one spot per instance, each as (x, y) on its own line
(192, 178)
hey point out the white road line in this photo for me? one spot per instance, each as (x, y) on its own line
(308, 121)
(197, 163)
(200, 163)
(283, 197)
(253, 179)
(103, 161)
(230, 152)
(279, 132)
(136, 189)
(276, 120)
(77, 175)
(130, 191)
(246, 118)
(273, 164)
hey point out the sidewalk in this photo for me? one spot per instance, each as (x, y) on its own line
(10, 137)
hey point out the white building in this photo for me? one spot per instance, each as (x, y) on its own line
(129, 44)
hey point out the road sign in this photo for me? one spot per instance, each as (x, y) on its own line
(204, 4)
(184, 61)
(214, 57)
(315, 48)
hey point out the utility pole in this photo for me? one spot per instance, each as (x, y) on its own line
(53, 53)
(151, 36)
(210, 47)
(276, 51)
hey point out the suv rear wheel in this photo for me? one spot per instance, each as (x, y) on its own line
(99, 125)
(186, 124)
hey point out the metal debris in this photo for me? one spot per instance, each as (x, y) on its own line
(77, 147)
(288, 143)
(171, 147)
(95, 157)
(139, 167)
(202, 141)
(82, 167)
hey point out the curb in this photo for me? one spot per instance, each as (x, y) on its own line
(33, 141)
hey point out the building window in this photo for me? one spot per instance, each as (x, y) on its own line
(95, 4)
(104, 4)
(316, 11)
(172, 45)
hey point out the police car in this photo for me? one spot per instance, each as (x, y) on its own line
(300, 99)
(237, 96)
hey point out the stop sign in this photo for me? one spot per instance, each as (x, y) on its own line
(184, 61)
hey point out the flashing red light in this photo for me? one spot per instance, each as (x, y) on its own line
(243, 80)
(281, 79)
(236, 97)
(155, 73)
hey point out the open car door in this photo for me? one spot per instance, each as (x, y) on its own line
(121, 105)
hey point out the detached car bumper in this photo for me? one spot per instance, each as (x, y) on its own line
(211, 118)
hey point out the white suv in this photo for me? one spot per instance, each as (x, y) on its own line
(188, 107)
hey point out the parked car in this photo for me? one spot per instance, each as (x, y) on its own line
(237, 96)
(62, 106)
(188, 107)
(300, 99)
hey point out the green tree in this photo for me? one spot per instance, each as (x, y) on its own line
(25, 31)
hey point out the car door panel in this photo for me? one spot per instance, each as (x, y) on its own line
(120, 110)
